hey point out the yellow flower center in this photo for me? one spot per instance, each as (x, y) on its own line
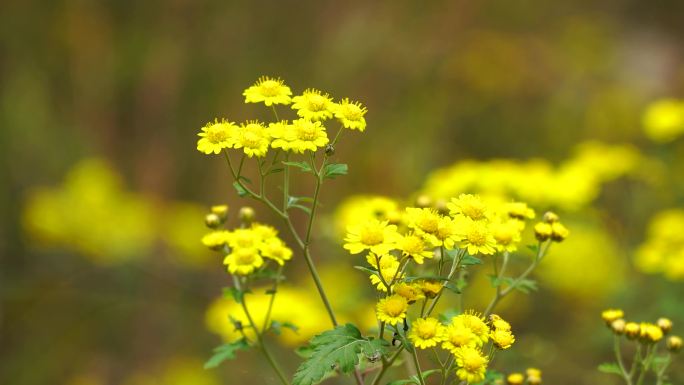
(216, 134)
(477, 236)
(317, 102)
(474, 211)
(394, 307)
(351, 111)
(307, 132)
(269, 88)
(428, 223)
(372, 236)
(503, 235)
(245, 257)
(472, 360)
(426, 330)
(460, 336)
(412, 245)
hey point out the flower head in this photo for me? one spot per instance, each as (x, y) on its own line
(243, 261)
(215, 240)
(457, 336)
(351, 114)
(476, 237)
(519, 210)
(268, 90)
(378, 237)
(506, 234)
(503, 339)
(411, 291)
(426, 332)
(610, 315)
(472, 364)
(275, 249)
(215, 137)
(475, 323)
(414, 247)
(470, 206)
(392, 309)
(252, 137)
(312, 104)
(515, 379)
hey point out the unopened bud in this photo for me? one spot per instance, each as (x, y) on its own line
(515, 379)
(664, 324)
(632, 330)
(329, 150)
(674, 344)
(221, 211)
(618, 326)
(550, 217)
(559, 232)
(246, 215)
(423, 201)
(441, 206)
(212, 221)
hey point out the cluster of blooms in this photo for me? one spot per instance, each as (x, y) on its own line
(416, 235)
(645, 332)
(246, 248)
(663, 120)
(663, 251)
(305, 133)
(532, 376)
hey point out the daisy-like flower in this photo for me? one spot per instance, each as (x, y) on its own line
(275, 249)
(506, 234)
(312, 104)
(476, 237)
(413, 246)
(252, 137)
(264, 232)
(378, 237)
(446, 234)
(268, 90)
(215, 137)
(610, 315)
(470, 206)
(424, 221)
(392, 309)
(426, 332)
(503, 339)
(215, 240)
(519, 210)
(430, 287)
(650, 332)
(475, 323)
(471, 363)
(410, 291)
(351, 114)
(498, 323)
(244, 239)
(243, 261)
(457, 336)
(305, 135)
(515, 379)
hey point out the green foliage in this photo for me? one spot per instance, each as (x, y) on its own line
(469, 260)
(225, 352)
(240, 190)
(277, 327)
(492, 377)
(338, 348)
(414, 379)
(610, 368)
(303, 166)
(330, 171)
(235, 293)
(295, 202)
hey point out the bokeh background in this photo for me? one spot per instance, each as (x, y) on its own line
(571, 106)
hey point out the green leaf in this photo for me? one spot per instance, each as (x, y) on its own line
(225, 352)
(275, 170)
(470, 260)
(610, 368)
(240, 190)
(302, 207)
(414, 379)
(305, 351)
(331, 170)
(534, 248)
(366, 270)
(244, 178)
(337, 348)
(453, 253)
(305, 167)
(526, 285)
(277, 327)
(452, 287)
(236, 293)
(447, 315)
(495, 281)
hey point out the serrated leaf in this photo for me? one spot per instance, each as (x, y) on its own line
(277, 327)
(338, 348)
(452, 287)
(303, 166)
(225, 352)
(305, 351)
(469, 260)
(332, 170)
(240, 190)
(610, 368)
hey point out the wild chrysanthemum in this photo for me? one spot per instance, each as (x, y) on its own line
(244, 239)
(252, 137)
(215, 137)
(216, 239)
(476, 237)
(610, 315)
(470, 206)
(424, 221)
(351, 114)
(414, 247)
(243, 261)
(378, 237)
(392, 309)
(430, 287)
(498, 323)
(457, 336)
(519, 210)
(388, 271)
(305, 135)
(446, 234)
(475, 323)
(650, 332)
(503, 339)
(312, 104)
(426, 332)
(268, 90)
(264, 232)
(471, 363)
(506, 234)
(275, 249)
(515, 379)
(410, 291)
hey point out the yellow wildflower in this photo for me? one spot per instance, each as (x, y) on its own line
(664, 120)
(503, 339)
(378, 237)
(243, 261)
(506, 234)
(302, 135)
(413, 246)
(392, 309)
(650, 332)
(411, 291)
(476, 237)
(426, 332)
(268, 90)
(475, 323)
(515, 379)
(312, 104)
(252, 137)
(215, 137)
(611, 315)
(457, 336)
(216, 239)
(519, 210)
(430, 288)
(472, 364)
(470, 206)
(351, 114)
(275, 249)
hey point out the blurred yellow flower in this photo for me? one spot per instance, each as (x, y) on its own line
(376, 236)
(663, 120)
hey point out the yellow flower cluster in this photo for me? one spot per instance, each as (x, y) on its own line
(645, 332)
(663, 250)
(245, 248)
(532, 376)
(305, 133)
(663, 120)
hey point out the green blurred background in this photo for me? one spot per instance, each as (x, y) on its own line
(103, 279)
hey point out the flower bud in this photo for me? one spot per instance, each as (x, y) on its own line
(664, 324)
(550, 217)
(674, 343)
(329, 150)
(610, 315)
(559, 232)
(212, 221)
(515, 379)
(423, 201)
(618, 326)
(246, 215)
(534, 376)
(441, 206)
(221, 211)
(650, 333)
(632, 330)
(542, 231)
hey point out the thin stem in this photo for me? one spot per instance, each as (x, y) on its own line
(454, 268)
(646, 364)
(661, 373)
(386, 365)
(635, 361)
(618, 356)
(419, 373)
(274, 291)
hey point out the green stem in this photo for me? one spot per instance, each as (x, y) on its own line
(419, 373)
(646, 364)
(618, 356)
(274, 291)
(454, 268)
(661, 373)
(386, 365)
